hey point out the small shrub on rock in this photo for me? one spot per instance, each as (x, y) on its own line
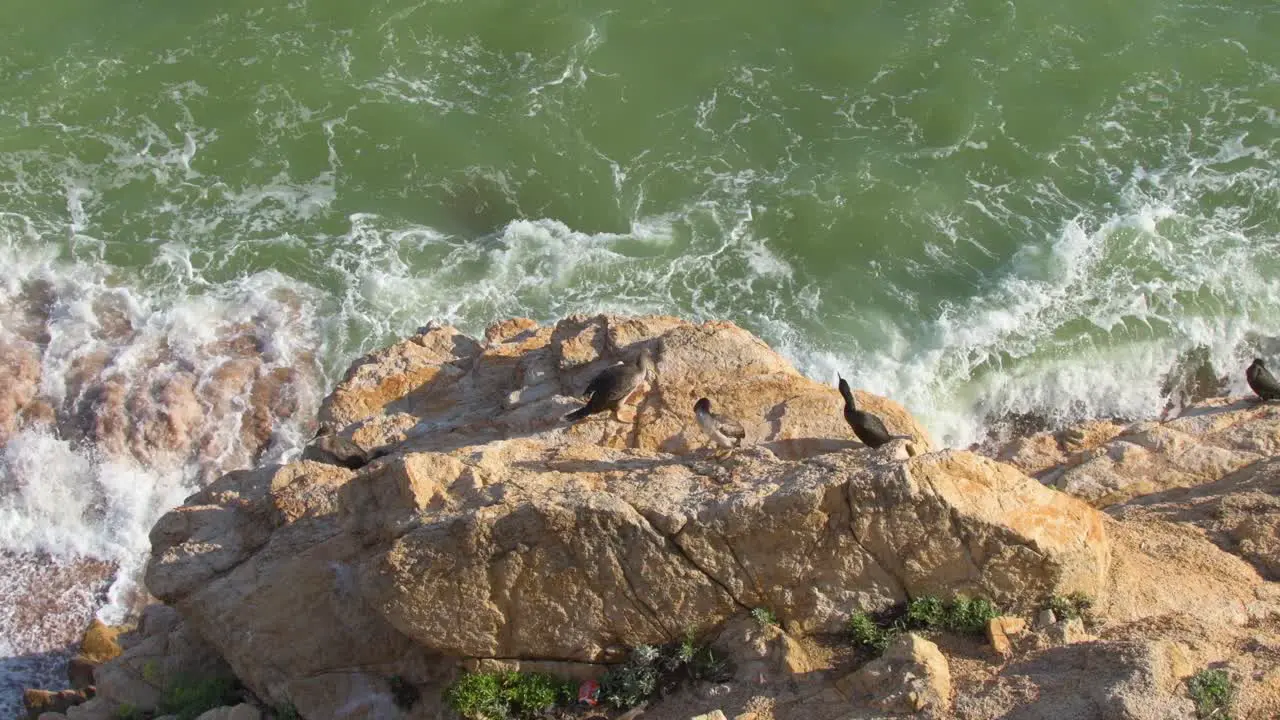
(926, 612)
(627, 685)
(1074, 605)
(498, 696)
(764, 616)
(969, 616)
(867, 633)
(189, 698)
(961, 615)
(1212, 692)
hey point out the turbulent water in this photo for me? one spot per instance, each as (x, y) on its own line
(977, 208)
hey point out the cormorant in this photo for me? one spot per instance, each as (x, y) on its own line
(329, 447)
(869, 428)
(1261, 381)
(725, 432)
(613, 385)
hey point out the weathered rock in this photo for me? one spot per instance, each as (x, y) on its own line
(1240, 513)
(164, 653)
(912, 676)
(99, 643)
(998, 631)
(491, 535)
(761, 653)
(38, 702)
(1106, 463)
(19, 383)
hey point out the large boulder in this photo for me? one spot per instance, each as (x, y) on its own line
(488, 528)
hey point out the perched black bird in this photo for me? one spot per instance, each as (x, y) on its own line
(331, 448)
(725, 432)
(1261, 381)
(869, 428)
(613, 385)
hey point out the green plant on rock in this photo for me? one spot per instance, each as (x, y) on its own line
(1070, 606)
(926, 612)
(867, 633)
(189, 698)
(498, 696)
(477, 695)
(764, 616)
(286, 712)
(626, 686)
(530, 694)
(969, 616)
(1212, 692)
(127, 712)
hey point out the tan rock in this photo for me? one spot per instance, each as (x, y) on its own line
(99, 643)
(497, 535)
(761, 653)
(713, 715)
(998, 631)
(912, 676)
(38, 702)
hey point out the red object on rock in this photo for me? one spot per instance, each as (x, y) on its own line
(589, 692)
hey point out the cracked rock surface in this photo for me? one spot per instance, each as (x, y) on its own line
(489, 529)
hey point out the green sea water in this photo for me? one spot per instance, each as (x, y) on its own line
(977, 208)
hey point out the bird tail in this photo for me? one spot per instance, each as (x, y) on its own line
(845, 392)
(577, 415)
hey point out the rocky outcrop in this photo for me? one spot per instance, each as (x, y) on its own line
(1107, 463)
(493, 530)
(487, 533)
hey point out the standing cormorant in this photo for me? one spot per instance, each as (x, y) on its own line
(869, 428)
(613, 385)
(331, 448)
(1261, 381)
(725, 432)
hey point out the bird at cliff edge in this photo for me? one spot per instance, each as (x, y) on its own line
(607, 390)
(725, 432)
(867, 427)
(1261, 381)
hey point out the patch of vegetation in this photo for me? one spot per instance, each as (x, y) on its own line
(498, 696)
(867, 633)
(188, 698)
(964, 615)
(404, 693)
(1212, 692)
(1074, 605)
(287, 712)
(764, 616)
(648, 671)
(127, 712)
(661, 670)
(627, 685)
(926, 612)
(961, 615)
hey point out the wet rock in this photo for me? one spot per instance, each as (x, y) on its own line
(38, 702)
(19, 383)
